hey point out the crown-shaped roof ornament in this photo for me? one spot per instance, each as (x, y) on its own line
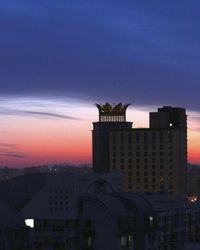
(112, 112)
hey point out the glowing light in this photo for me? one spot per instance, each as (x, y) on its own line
(29, 223)
(193, 199)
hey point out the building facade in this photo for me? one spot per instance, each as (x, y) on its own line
(151, 159)
(90, 212)
(111, 117)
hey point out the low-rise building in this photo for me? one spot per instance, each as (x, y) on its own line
(90, 211)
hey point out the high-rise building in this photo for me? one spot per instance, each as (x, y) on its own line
(111, 117)
(152, 159)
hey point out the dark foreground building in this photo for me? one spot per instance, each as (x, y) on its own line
(90, 212)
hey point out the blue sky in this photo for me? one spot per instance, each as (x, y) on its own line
(57, 58)
(146, 52)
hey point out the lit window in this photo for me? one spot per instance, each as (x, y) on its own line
(151, 220)
(29, 223)
(89, 241)
(123, 241)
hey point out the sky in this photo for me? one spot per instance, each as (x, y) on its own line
(58, 58)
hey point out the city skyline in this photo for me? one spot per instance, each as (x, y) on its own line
(59, 58)
(51, 137)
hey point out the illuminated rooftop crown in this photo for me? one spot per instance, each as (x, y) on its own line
(112, 112)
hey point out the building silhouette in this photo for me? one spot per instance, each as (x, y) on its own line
(111, 117)
(89, 211)
(152, 159)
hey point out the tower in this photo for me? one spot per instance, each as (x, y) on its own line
(111, 117)
(174, 120)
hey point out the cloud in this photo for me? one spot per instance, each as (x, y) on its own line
(137, 51)
(8, 145)
(12, 155)
(10, 150)
(35, 114)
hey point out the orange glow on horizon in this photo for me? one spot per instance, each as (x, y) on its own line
(27, 140)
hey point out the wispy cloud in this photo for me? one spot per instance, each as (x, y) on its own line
(35, 114)
(10, 150)
(13, 155)
(7, 145)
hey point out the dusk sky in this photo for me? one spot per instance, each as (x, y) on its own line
(58, 58)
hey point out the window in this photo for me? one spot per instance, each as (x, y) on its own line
(153, 137)
(145, 137)
(114, 138)
(29, 223)
(137, 137)
(161, 137)
(121, 138)
(123, 241)
(170, 137)
(170, 153)
(129, 167)
(145, 166)
(129, 138)
(88, 223)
